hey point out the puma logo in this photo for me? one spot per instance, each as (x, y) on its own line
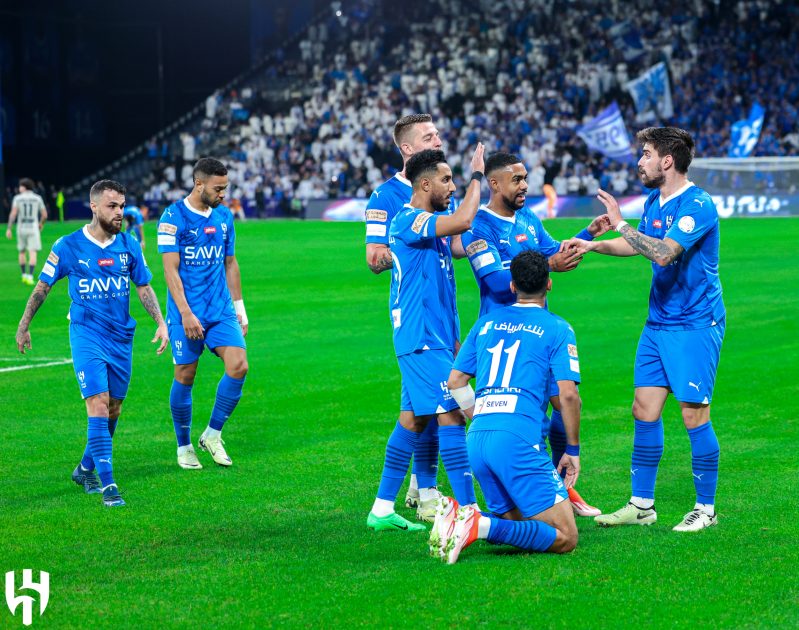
(84, 262)
(194, 231)
(701, 203)
(696, 385)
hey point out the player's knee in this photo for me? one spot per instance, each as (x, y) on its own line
(565, 542)
(184, 374)
(238, 368)
(98, 406)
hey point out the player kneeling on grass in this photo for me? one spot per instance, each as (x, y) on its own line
(511, 352)
(100, 263)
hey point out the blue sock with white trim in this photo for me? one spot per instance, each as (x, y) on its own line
(647, 451)
(452, 441)
(401, 445)
(228, 394)
(425, 456)
(100, 444)
(180, 406)
(704, 462)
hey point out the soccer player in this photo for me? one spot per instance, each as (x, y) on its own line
(204, 306)
(135, 221)
(29, 212)
(513, 351)
(100, 262)
(679, 348)
(502, 229)
(426, 329)
(412, 133)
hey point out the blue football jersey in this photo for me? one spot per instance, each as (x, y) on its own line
(384, 204)
(687, 293)
(422, 301)
(135, 214)
(99, 279)
(511, 352)
(494, 240)
(203, 240)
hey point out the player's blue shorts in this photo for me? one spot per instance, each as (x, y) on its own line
(685, 361)
(512, 472)
(424, 382)
(218, 334)
(101, 364)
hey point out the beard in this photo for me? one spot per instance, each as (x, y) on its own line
(653, 182)
(439, 205)
(211, 203)
(110, 227)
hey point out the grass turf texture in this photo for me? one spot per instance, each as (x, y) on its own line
(281, 538)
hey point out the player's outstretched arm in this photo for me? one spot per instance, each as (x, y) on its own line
(191, 325)
(37, 298)
(378, 257)
(461, 220)
(150, 303)
(570, 404)
(233, 276)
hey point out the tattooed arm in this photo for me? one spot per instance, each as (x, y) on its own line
(663, 252)
(150, 303)
(37, 298)
(378, 257)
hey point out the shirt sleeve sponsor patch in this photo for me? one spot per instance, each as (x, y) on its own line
(686, 224)
(572, 351)
(48, 269)
(165, 239)
(377, 215)
(574, 365)
(477, 246)
(53, 258)
(482, 260)
(167, 228)
(420, 221)
(375, 230)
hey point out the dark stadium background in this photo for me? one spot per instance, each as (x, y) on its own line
(84, 81)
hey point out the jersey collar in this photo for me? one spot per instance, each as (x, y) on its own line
(676, 194)
(205, 214)
(527, 305)
(403, 180)
(499, 216)
(95, 241)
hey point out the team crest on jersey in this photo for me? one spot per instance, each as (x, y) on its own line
(477, 246)
(657, 224)
(210, 230)
(105, 262)
(167, 228)
(124, 258)
(52, 258)
(572, 351)
(377, 215)
(669, 221)
(420, 221)
(520, 238)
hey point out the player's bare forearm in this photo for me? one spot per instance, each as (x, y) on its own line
(614, 247)
(378, 257)
(37, 298)
(233, 277)
(149, 301)
(655, 249)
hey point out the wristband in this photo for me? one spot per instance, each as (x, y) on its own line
(573, 450)
(585, 235)
(239, 306)
(620, 225)
(464, 396)
(477, 176)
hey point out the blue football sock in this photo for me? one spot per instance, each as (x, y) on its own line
(22, 269)
(647, 451)
(400, 447)
(180, 405)
(31, 269)
(86, 462)
(425, 457)
(704, 462)
(531, 535)
(557, 437)
(228, 394)
(456, 462)
(100, 445)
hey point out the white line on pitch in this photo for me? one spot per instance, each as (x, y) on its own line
(17, 368)
(33, 359)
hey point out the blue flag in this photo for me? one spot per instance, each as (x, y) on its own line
(607, 134)
(745, 133)
(627, 39)
(652, 93)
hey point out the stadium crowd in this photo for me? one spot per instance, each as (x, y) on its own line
(518, 76)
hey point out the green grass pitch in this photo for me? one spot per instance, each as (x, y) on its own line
(280, 539)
